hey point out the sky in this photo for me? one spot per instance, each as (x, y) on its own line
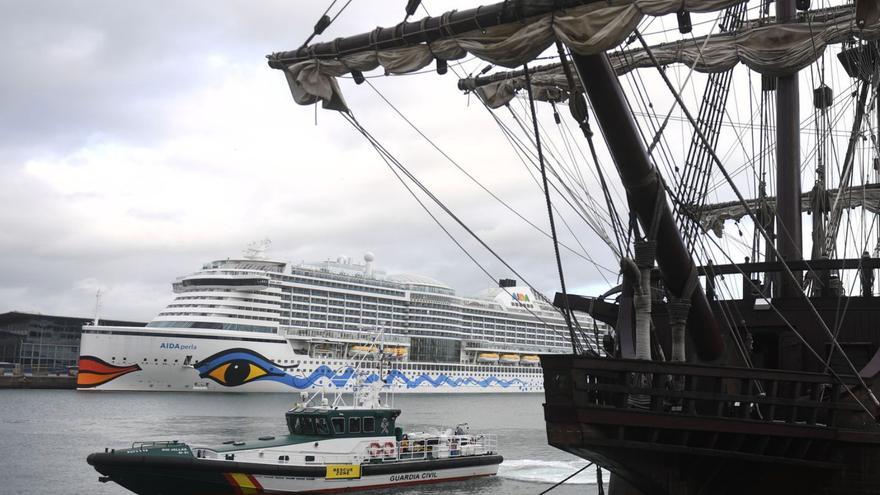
(139, 140)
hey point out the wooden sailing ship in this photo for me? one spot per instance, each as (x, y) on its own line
(769, 388)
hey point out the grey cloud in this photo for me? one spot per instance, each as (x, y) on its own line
(73, 69)
(78, 74)
(155, 216)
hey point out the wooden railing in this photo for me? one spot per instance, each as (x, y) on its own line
(762, 395)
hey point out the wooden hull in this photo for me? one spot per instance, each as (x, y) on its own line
(714, 433)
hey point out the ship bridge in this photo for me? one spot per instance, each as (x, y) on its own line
(242, 282)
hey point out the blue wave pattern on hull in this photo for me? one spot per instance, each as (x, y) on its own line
(235, 367)
(342, 379)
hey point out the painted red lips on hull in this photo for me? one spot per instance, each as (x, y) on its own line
(94, 371)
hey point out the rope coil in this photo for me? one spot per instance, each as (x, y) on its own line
(645, 253)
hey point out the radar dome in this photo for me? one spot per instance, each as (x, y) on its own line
(368, 256)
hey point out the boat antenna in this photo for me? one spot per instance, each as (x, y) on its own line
(389, 392)
(356, 370)
(97, 319)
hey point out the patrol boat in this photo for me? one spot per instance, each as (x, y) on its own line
(329, 448)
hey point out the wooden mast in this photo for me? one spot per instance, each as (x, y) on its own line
(645, 191)
(788, 166)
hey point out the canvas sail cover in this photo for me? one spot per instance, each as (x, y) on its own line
(712, 217)
(586, 29)
(771, 49)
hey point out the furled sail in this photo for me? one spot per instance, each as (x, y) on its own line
(768, 48)
(712, 217)
(587, 29)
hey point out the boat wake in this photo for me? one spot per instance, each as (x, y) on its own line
(536, 471)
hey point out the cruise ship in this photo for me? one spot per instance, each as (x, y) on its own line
(257, 325)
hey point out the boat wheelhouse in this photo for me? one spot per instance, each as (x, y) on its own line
(323, 421)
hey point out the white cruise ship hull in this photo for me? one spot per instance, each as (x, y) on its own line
(156, 359)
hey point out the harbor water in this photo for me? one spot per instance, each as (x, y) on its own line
(45, 435)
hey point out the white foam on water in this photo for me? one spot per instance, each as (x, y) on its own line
(536, 471)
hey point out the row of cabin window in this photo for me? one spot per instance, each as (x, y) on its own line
(308, 426)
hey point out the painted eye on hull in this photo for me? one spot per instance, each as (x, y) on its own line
(234, 367)
(237, 372)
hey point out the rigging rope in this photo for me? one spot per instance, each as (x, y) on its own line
(846, 173)
(616, 224)
(567, 312)
(731, 319)
(392, 162)
(324, 21)
(572, 475)
(697, 168)
(803, 341)
(522, 153)
(467, 174)
(768, 125)
(751, 214)
(578, 107)
(572, 185)
(590, 219)
(840, 312)
(508, 135)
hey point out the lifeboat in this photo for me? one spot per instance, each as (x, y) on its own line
(487, 357)
(530, 360)
(395, 352)
(510, 358)
(363, 350)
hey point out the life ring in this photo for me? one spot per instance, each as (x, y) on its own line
(389, 449)
(375, 450)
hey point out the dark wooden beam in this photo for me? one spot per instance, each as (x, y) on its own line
(645, 191)
(797, 265)
(789, 239)
(425, 30)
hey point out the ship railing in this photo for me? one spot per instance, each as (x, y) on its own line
(683, 389)
(280, 456)
(324, 333)
(368, 451)
(327, 274)
(159, 443)
(489, 346)
(439, 447)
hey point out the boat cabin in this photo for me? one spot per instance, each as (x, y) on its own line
(349, 422)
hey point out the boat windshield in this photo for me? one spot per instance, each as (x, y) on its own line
(338, 425)
(302, 425)
(321, 422)
(321, 426)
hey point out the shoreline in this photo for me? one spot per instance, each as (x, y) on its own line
(50, 382)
